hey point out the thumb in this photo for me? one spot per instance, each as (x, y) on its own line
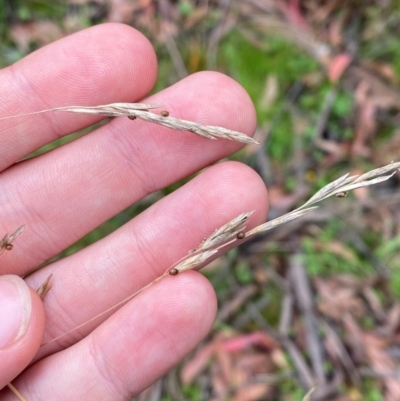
(22, 322)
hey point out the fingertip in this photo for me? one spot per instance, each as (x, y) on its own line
(233, 98)
(22, 335)
(250, 191)
(194, 304)
(213, 98)
(167, 322)
(101, 64)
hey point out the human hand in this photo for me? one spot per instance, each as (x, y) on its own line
(64, 194)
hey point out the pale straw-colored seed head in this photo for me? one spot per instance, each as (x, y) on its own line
(194, 261)
(141, 110)
(7, 242)
(227, 231)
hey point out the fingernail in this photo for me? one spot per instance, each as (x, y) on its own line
(15, 309)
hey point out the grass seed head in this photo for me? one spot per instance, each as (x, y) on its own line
(7, 242)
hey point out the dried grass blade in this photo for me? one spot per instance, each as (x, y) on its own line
(327, 190)
(346, 183)
(45, 287)
(141, 110)
(360, 184)
(194, 261)
(110, 110)
(227, 231)
(377, 171)
(206, 131)
(15, 234)
(6, 242)
(280, 220)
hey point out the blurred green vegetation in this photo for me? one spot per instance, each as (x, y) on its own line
(24, 11)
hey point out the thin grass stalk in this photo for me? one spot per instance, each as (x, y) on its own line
(16, 392)
(141, 110)
(230, 233)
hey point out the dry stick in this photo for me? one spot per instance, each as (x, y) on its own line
(302, 290)
(233, 231)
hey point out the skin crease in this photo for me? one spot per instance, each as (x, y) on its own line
(62, 195)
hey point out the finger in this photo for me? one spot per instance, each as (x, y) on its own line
(22, 326)
(62, 195)
(132, 349)
(102, 64)
(140, 251)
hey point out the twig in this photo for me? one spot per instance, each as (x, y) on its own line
(322, 120)
(170, 44)
(286, 315)
(221, 28)
(298, 360)
(302, 289)
(341, 352)
(241, 297)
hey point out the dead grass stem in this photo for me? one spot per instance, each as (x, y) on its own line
(141, 110)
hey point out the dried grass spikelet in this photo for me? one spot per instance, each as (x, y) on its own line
(206, 131)
(233, 230)
(269, 225)
(338, 188)
(193, 261)
(219, 238)
(227, 231)
(6, 244)
(141, 110)
(45, 287)
(346, 183)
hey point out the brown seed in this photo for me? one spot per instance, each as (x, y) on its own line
(132, 117)
(240, 235)
(342, 194)
(45, 287)
(164, 113)
(173, 272)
